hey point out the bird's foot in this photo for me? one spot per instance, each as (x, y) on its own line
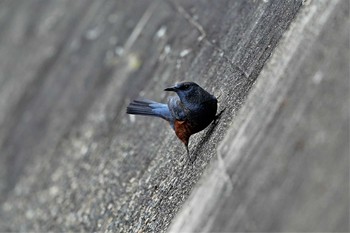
(188, 161)
(191, 160)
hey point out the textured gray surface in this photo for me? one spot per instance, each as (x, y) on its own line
(284, 164)
(71, 159)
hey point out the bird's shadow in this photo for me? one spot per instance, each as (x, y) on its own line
(206, 137)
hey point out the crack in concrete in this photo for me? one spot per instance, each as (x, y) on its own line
(191, 20)
(203, 37)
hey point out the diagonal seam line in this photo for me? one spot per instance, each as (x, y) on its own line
(140, 26)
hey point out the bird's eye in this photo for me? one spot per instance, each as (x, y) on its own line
(184, 87)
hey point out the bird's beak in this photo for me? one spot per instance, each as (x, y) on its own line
(170, 88)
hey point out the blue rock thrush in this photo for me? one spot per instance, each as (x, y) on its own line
(188, 113)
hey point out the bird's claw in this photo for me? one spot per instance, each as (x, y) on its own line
(191, 160)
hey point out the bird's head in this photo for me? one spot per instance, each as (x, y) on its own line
(185, 88)
(189, 92)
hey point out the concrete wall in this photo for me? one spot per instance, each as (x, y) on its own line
(72, 160)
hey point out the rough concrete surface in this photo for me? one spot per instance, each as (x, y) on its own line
(284, 164)
(72, 160)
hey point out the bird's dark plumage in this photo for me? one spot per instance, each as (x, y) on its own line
(191, 111)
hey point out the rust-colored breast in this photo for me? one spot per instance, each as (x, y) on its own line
(183, 130)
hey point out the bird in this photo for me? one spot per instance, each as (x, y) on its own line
(188, 112)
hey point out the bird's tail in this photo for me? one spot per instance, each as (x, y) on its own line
(148, 108)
